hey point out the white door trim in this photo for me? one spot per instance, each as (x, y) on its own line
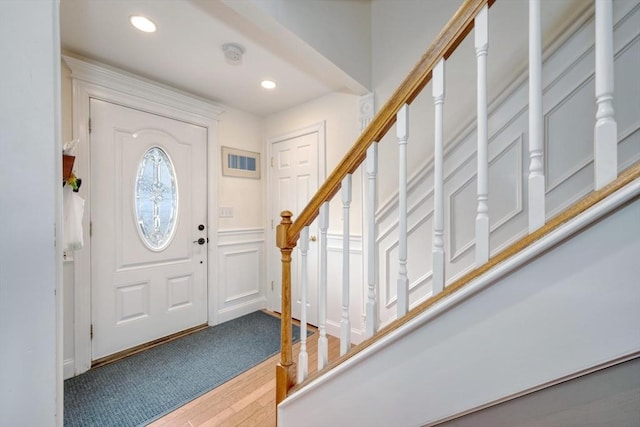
(320, 129)
(93, 80)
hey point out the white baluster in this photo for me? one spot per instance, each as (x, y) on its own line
(536, 127)
(606, 129)
(372, 200)
(345, 322)
(323, 343)
(438, 179)
(481, 33)
(303, 358)
(402, 131)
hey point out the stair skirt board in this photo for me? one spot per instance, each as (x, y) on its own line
(623, 197)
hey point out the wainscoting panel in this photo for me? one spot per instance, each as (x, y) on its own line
(357, 300)
(241, 283)
(569, 113)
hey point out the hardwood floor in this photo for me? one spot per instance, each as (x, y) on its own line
(247, 400)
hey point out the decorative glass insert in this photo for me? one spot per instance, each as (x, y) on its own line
(156, 199)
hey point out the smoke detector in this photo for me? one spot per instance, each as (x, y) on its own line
(233, 53)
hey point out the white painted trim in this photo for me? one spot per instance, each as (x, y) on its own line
(68, 368)
(239, 231)
(142, 88)
(270, 248)
(334, 243)
(240, 236)
(59, 217)
(357, 335)
(232, 242)
(94, 80)
(237, 310)
(580, 222)
(456, 253)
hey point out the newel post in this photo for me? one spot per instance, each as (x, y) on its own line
(286, 369)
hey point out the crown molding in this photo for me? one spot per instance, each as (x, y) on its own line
(122, 81)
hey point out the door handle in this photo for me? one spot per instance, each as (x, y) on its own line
(313, 238)
(200, 241)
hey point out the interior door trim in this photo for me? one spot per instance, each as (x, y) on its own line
(93, 80)
(320, 129)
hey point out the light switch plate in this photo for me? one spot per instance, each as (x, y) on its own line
(225, 212)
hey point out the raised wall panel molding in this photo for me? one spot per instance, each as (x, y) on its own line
(249, 259)
(388, 260)
(508, 126)
(241, 281)
(569, 44)
(357, 291)
(515, 148)
(554, 179)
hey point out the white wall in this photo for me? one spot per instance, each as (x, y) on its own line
(339, 30)
(30, 170)
(561, 314)
(241, 282)
(340, 112)
(245, 131)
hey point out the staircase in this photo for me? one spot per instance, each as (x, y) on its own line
(553, 301)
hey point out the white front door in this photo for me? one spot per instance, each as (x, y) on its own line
(294, 180)
(148, 212)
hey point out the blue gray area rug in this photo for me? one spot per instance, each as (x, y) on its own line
(143, 387)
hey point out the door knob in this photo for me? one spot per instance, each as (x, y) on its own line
(201, 227)
(313, 238)
(200, 241)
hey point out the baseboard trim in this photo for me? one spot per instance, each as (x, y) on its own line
(142, 347)
(68, 368)
(237, 310)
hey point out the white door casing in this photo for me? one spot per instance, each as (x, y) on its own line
(142, 291)
(297, 169)
(94, 80)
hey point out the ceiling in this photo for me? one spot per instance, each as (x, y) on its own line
(186, 51)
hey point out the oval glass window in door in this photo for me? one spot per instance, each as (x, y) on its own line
(156, 199)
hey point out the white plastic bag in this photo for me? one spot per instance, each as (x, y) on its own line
(73, 206)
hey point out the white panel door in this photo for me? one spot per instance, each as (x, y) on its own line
(148, 211)
(294, 180)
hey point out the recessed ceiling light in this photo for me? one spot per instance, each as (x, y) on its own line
(143, 24)
(268, 84)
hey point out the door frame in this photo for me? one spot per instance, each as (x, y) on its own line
(272, 251)
(93, 80)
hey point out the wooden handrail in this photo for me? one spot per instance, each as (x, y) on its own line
(288, 233)
(626, 177)
(442, 47)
